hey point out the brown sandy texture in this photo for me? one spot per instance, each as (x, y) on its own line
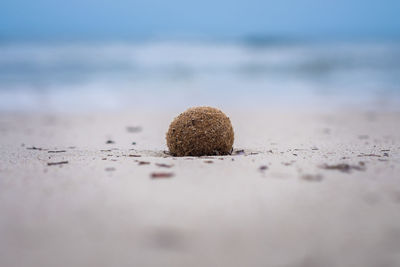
(200, 131)
(105, 209)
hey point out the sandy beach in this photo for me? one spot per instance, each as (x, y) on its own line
(300, 189)
(95, 108)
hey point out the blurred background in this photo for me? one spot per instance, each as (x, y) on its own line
(110, 55)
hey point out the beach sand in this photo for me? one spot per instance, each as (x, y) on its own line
(300, 189)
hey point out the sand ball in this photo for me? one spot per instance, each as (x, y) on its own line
(200, 131)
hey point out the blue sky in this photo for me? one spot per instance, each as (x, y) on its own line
(114, 19)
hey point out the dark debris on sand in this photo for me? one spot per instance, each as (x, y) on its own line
(344, 167)
(288, 163)
(57, 163)
(157, 175)
(369, 155)
(263, 168)
(312, 177)
(35, 148)
(238, 152)
(163, 165)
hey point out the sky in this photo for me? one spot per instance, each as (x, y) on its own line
(116, 19)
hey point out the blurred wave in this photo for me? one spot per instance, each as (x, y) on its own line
(61, 76)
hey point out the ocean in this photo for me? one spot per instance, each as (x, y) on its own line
(110, 75)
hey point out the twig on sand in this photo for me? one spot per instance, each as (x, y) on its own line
(35, 148)
(156, 175)
(57, 163)
(344, 167)
(163, 165)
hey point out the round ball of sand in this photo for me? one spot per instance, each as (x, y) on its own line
(200, 131)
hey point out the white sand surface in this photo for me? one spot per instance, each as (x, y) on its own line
(102, 208)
